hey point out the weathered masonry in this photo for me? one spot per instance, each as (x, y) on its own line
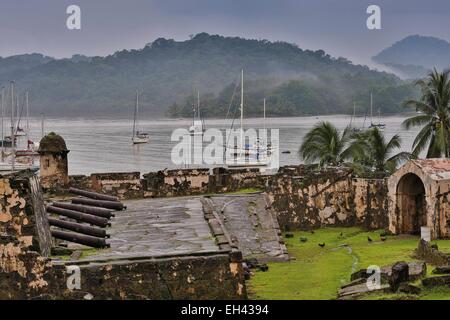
(419, 195)
(133, 271)
(305, 198)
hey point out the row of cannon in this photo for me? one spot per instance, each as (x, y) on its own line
(89, 216)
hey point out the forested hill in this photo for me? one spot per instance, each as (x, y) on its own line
(295, 81)
(415, 55)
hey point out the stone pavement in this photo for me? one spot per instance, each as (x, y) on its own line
(177, 226)
(252, 226)
(156, 227)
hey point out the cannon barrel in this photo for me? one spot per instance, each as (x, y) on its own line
(79, 216)
(79, 228)
(80, 238)
(96, 211)
(99, 203)
(93, 195)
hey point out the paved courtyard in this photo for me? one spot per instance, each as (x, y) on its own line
(156, 227)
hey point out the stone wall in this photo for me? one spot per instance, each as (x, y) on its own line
(309, 199)
(25, 238)
(302, 197)
(22, 212)
(185, 277)
(200, 181)
(26, 272)
(125, 185)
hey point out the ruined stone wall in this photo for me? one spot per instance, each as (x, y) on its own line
(442, 211)
(190, 277)
(186, 182)
(125, 185)
(26, 272)
(327, 198)
(25, 238)
(27, 275)
(22, 212)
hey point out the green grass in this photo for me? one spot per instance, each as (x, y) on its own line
(85, 253)
(246, 190)
(317, 273)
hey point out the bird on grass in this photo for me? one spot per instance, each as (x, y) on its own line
(322, 245)
(312, 231)
(341, 235)
(369, 239)
(383, 238)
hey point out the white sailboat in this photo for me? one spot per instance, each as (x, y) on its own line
(9, 162)
(249, 155)
(197, 128)
(354, 129)
(138, 136)
(373, 125)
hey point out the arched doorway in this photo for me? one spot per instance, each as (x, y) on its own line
(411, 203)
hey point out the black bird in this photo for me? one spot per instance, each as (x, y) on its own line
(341, 234)
(322, 245)
(312, 231)
(369, 239)
(383, 238)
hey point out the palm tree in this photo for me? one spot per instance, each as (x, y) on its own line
(324, 143)
(377, 154)
(434, 108)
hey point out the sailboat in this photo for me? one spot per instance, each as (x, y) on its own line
(197, 128)
(31, 147)
(373, 125)
(247, 155)
(138, 136)
(9, 162)
(354, 129)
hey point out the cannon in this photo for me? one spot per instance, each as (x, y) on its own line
(79, 216)
(90, 241)
(99, 203)
(96, 211)
(93, 195)
(79, 228)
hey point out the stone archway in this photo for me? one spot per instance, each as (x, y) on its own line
(411, 203)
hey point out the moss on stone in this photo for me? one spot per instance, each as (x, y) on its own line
(53, 143)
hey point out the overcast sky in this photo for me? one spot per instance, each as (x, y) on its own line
(337, 26)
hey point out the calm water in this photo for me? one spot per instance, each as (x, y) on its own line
(102, 145)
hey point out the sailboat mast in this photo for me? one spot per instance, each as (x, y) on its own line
(42, 125)
(135, 113)
(28, 112)
(264, 113)
(198, 104)
(242, 110)
(3, 114)
(371, 108)
(12, 126)
(354, 114)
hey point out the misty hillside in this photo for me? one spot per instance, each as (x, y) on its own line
(168, 72)
(415, 55)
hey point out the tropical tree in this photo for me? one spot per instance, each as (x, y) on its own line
(377, 154)
(324, 143)
(434, 118)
